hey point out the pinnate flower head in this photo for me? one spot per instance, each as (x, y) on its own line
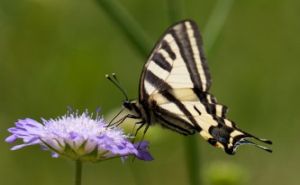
(77, 136)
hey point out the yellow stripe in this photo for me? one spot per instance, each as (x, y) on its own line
(196, 53)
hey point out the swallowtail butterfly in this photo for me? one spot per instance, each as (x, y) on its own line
(174, 92)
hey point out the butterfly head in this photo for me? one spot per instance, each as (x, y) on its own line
(128, 105)
(134, 107)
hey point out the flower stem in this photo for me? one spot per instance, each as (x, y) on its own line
(192, 153)
(78, 172)
(211, 33)
(127, 25)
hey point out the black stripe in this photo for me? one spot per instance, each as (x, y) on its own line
(174, 117)
(203, 99)
(213, 109)
(199, 42)
(198, 111)
(220, 120)
(165, 46)
(183, 42)
(201, 95)
(163, 87)
(212, 98)
(187, 113)
(174, 127)
(160, 60)
(224, 111)
(156, 81)
(238, 138)
(233, 124)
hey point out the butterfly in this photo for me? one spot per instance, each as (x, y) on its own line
(174, 92)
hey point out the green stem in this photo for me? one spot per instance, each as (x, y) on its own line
(192, 152)
(78, 172)
(127, 25)
(211, 33)
(216, 22)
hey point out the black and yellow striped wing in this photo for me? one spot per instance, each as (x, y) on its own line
(193, 116)
(178, 60)
(174, 87)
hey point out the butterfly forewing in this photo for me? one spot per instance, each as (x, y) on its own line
(178, 60)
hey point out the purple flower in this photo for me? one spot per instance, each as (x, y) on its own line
(79, 137)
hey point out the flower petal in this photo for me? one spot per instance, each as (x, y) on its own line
(143, 153)
(11, 139)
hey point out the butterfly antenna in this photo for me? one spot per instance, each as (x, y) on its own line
(116, 82)
(120, 86)
(115, 78)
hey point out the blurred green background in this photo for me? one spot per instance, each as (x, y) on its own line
(55, 53)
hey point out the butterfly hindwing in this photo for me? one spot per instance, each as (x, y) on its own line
(216, 129)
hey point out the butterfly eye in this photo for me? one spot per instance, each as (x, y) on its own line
(127, 105)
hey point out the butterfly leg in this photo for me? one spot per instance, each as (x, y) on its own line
(145, 130)
(120, 121)
(138, 129)
(142, 122)
(110, 122)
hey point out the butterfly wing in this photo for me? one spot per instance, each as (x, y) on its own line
(174, 85)
(215, 128)
(177, 61)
